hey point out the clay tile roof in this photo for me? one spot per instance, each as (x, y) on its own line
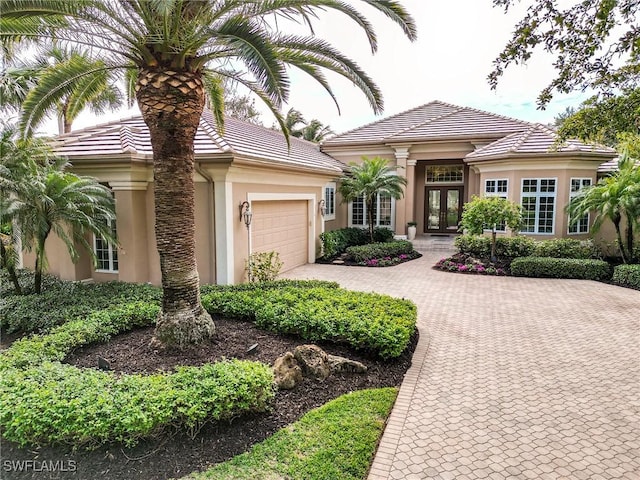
(241, 139)
(535, 141)
(432, 121)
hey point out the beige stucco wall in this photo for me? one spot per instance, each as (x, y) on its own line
(562, 169)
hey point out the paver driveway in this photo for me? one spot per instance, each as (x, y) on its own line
(513, 377)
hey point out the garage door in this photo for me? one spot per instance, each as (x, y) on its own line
(281, 226)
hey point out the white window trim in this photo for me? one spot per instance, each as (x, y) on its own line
(392, 226)
(538, 195)
(504, 195)
(331, 185)
(111, 249)
(571, 195)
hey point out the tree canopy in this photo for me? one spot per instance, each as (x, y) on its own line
(596, 44)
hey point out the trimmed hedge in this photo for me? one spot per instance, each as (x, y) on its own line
(506, 247)
(272, 285)
(627, 276)
(45, 402)
(363, 253)
(565, 248)
(56, 403)
(363, 320)
(63, 301)
(547, 267)
(336, 242)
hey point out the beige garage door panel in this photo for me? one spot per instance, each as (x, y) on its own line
(282, 226)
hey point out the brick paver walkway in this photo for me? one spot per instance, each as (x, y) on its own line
(513, 378)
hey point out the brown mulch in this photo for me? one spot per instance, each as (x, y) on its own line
(176, 454)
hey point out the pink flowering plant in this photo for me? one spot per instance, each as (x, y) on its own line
(461, 263)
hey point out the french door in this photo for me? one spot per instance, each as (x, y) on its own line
(442, 209)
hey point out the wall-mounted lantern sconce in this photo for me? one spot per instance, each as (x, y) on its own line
(322, 207)
(245, 213)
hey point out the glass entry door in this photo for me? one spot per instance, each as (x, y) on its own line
(443, 208)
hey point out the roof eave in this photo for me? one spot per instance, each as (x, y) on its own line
(548, 155)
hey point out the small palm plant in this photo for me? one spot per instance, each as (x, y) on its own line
(615, 198)
(369, 179)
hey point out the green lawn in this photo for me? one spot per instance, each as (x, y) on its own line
(335, 441)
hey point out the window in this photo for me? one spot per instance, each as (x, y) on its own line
(444, 174)
(538, 205)
(106, 253)
(383, 212)
(330, 201)
(582, 225)
(497, 188)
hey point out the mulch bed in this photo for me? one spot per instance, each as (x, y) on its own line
(344, 260)
(175, 454)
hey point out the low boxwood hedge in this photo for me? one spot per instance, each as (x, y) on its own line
(506, 247)
(547, 267)
(367, 321)
(45, 402)
(62, 301)
(371, 251)
(565, 248)
(336, 242)
(627, 276)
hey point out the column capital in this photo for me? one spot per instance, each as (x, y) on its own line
(401, 153)
(412, 163)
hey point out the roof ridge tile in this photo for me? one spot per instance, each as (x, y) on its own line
(439, 117)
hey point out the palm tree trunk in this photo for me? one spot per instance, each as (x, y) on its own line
(629, 232)
(171, 105)
(4, 255)
(616, 222)
(370, 218)
(40, 253)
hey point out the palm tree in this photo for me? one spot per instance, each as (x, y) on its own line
(176, 52)
(615, 198)
(369, 179)
(315, 131)
(292, 119)
(30, 86)
(59, 202)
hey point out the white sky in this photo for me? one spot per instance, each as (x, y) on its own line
(457, 43)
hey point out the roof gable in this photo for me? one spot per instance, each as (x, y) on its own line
(537, 140)
(434, 120)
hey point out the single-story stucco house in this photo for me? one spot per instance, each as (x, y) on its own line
(447, 153)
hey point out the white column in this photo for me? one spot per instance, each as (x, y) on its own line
(224, 217)
(402, 155)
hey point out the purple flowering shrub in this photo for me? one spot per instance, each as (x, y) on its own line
(462, 263)
(389, 261)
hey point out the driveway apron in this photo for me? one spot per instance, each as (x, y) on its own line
(513, 378)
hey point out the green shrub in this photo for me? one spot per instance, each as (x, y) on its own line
(363, 320)
(627, 276)
(382, 235)
(476, 245)
(547, 267)
(506, 247)
(45, 402)
(97, 327)
(513, 247)
(26, 279)
(363, 253)
(55, 403)
(336, 242)
(276, 284)
(263, 266)
(565, 248)
(67, 300)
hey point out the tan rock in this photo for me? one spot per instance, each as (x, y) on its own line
(313, 360)
(287, 372)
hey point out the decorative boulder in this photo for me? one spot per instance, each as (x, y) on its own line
(341, 364)
(314, 361)
(287, 372)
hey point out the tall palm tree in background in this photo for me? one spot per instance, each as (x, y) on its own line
(292, 119)
(615, 198)
(30, 85)
(369, 179)
(176, 52)
(315, 131)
